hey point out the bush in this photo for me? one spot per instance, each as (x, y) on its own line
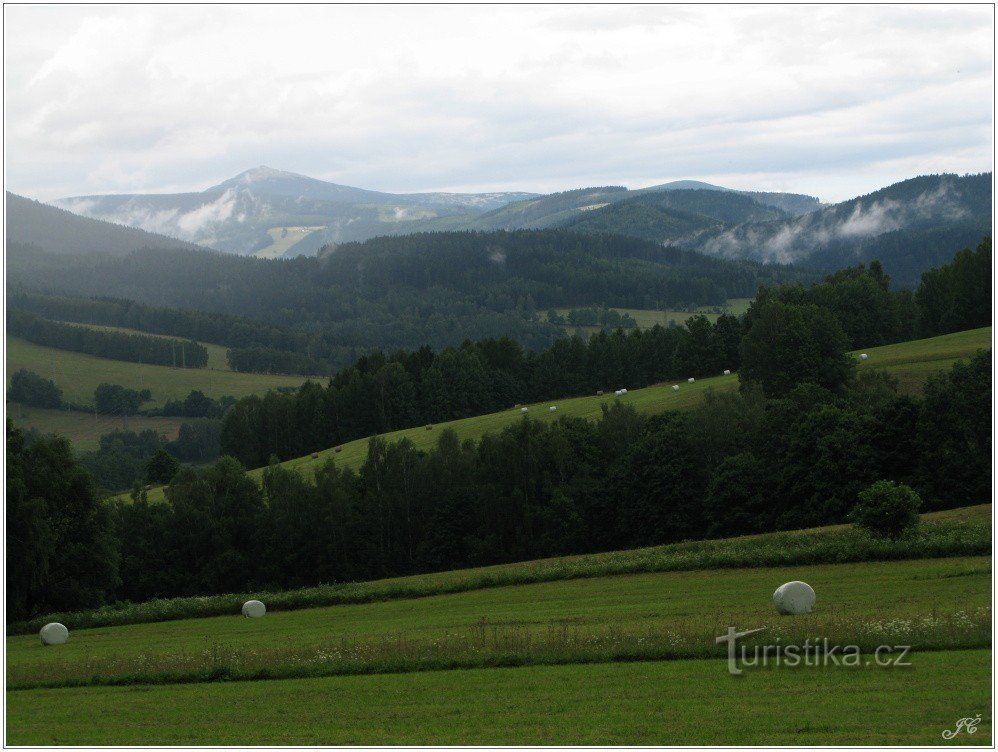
(28, 388)
(887, 509)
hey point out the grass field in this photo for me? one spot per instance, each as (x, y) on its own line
(282, 238)
(624, 643)
(674, 613)
(671, 702)
(84, 429)
(912, 362)
(78, 375)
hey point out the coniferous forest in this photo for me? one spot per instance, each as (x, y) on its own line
(793, 448)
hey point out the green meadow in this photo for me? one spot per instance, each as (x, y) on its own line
(654, 703)
(605, 660)
(911, 362)
(85, 429)
(78, 374)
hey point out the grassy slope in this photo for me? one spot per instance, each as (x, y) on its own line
(675, 702)
(912, 362)
(83, 429)
(693, 604)
(79, 374)
(280, 245)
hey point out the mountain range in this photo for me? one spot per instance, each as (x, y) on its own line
(910, 226)
(270, 213)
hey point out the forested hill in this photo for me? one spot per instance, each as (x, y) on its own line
(908, 226)
(436, 289)
(58, 231)
(674, 215)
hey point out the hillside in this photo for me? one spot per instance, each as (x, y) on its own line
(673, 216)
(34, 225)
(925, 209)
(640, 624)
(78, 375)
(791, 203)
(427, 289)
(238, 215)
(910, 362)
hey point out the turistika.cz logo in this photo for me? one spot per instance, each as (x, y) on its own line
(819, 652)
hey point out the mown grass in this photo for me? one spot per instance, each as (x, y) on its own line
(78, 375)
(837, 545)
(933, 604)
(84, 429)
(903, 360)
(650, 703)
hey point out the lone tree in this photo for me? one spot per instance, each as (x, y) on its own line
(887, 509)
(161, 467)
(789, 344)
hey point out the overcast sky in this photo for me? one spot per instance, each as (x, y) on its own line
(831, 101)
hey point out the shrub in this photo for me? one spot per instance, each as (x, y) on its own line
(887, 509)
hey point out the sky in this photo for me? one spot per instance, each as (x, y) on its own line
(831, 101)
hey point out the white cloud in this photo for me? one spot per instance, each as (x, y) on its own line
(828, 100)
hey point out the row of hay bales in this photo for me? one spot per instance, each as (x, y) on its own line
(794, 597)
(554, 408)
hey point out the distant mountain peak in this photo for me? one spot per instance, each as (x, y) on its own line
(689, 185)
(261, 174)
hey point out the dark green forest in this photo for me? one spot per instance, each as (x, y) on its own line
(739, 463)
(434, 289)
(793, 448)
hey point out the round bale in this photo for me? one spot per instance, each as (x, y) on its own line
(315, 455)
(53, 633)
(523, 409)
(690, 380)
(863, 356)
(553, 409)
(727, 372)
(794, 598)
(675, 387)
(254, 609)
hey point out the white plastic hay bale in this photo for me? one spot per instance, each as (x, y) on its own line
(623, 391)
(794, 598)
(553, 409)
(727, 372)
(523, 409)
(675, 387)
(619, 392)
(690, 380)
(53, 633)
(863, 356)
(254, 609)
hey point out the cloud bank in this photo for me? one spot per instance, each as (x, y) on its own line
(825, 100)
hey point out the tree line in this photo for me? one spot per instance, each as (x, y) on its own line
(852, 308)
(136, 348)
(382, 393)
(739, 463)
